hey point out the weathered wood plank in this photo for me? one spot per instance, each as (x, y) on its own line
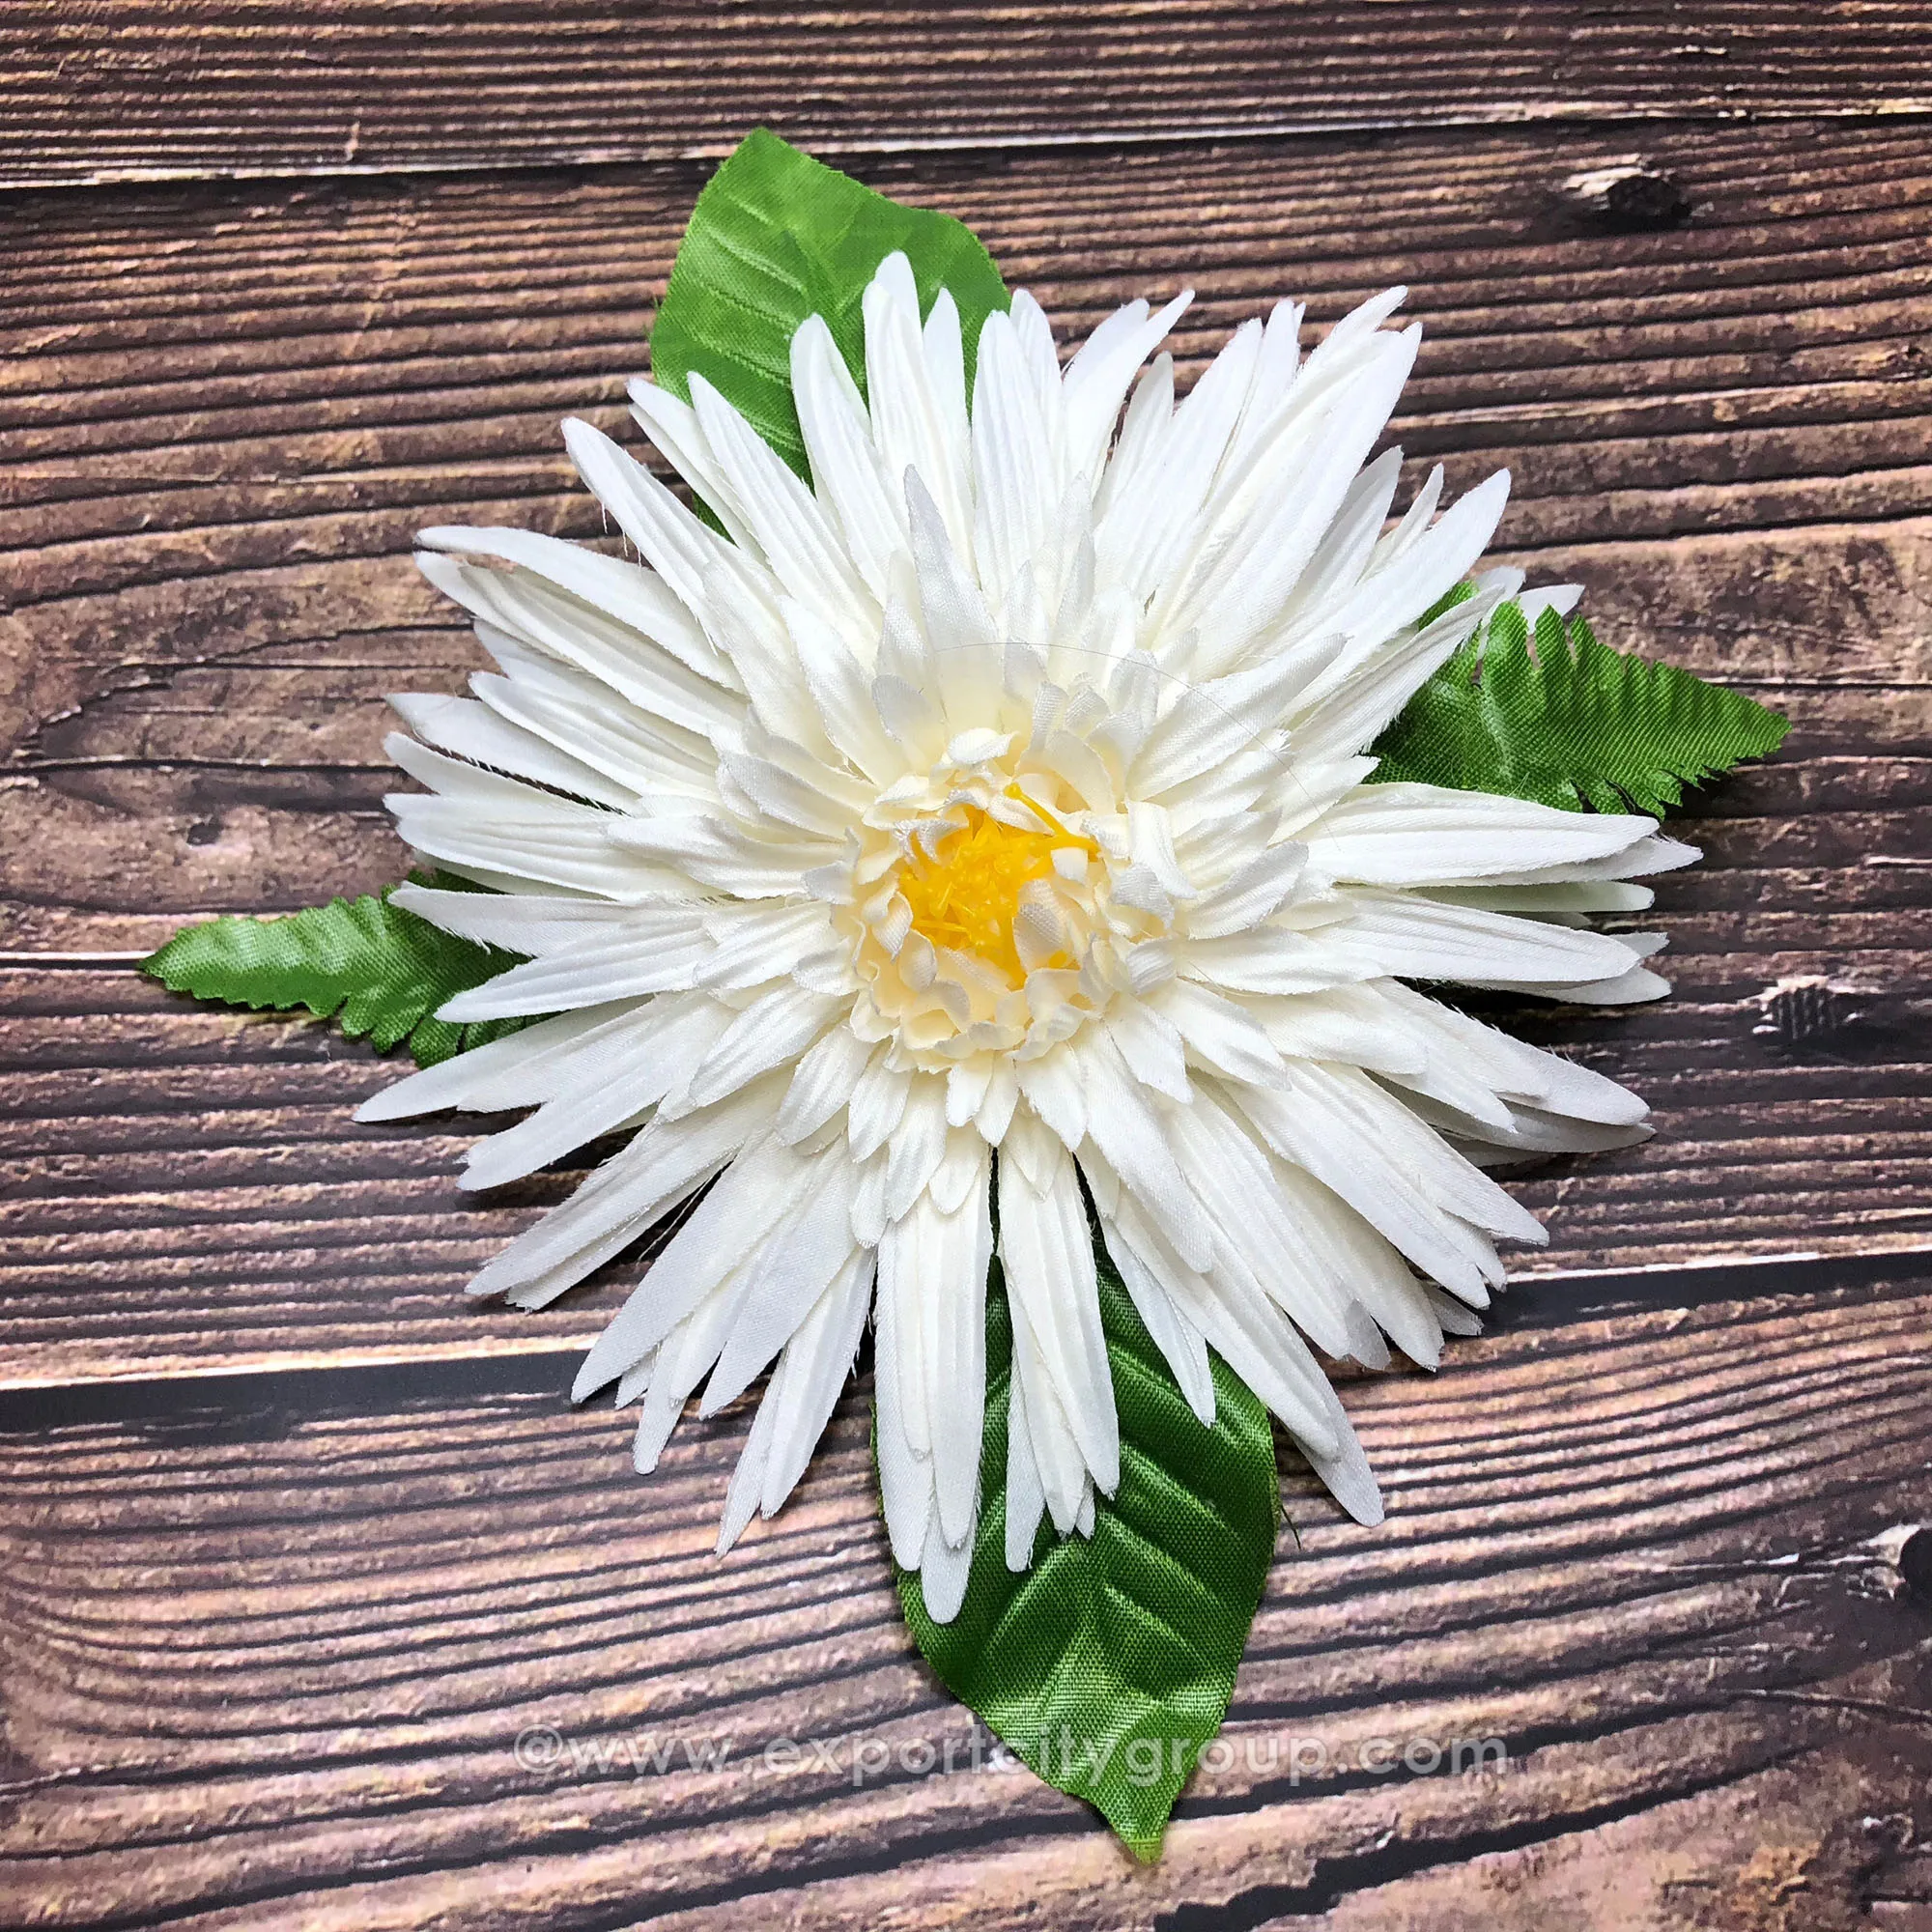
(256, 787)
(274, 1661)
(185, 1186)
(227, 412)
(220, 87)
(223, 470)
(267, 1640)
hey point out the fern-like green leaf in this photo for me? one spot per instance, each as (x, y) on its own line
(1573, 723)
(377, 970)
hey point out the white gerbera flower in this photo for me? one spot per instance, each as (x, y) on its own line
(1004, 793)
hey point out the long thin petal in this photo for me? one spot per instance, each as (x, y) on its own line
(1048, 1257)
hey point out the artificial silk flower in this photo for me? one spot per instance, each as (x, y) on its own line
(969, 853)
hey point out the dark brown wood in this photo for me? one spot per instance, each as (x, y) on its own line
(226, 412)
(269, 1665)
(201, 718)
(294, 1542)
(130, 91)
(185, 1186)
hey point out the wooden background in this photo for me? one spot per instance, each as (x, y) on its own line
(296, 1544)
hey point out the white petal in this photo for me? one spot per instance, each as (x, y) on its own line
(842, 688)
(1399, 594)
(905, 1466)
(878, 1099)
(551, 843)
(943, 1572)
(996, 1110)
(1057, 1456)
(809, 1377)
(674, 425)
(1414, 835)
(846, 470)
(539, 924)
(1095, 382)
(918, 1144)
(755, 1195)
(911, 425)
(646, 755)
(933, 1268)
(1373, 1270)
(966, 652)
(790, 797)
(1630, 987)
(655, 955)
(1047, 1254)
(747, 1477)
(1052, 1087)
(1209, 725)
(680, 549)
(1345, 549)
(1268, 959)
(510, 1072)
(630, 1075)
(798, 539)
(1335, 719)
(530, 611)
(1233, 1180)
(1308, 1128)
(943, 344)
(1249, 896)
(1152, 1046)
(755, 944)
(1181, 1344)
(822, 1083)
(798, 1262)
(1249, 581)
(466, 729)
(1219, 1034)
(1026, 1500)
(1125, 493)
(772, 1032)
(631, 1190)
(1517, 1070)
(1253, 1336)
(636, 598)
(956, 1357)
(720, 852)
(1426, 939)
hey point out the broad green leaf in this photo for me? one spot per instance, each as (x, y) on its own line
(377, 969)
(777, 237)
(1108, 1666)
(1573, 723)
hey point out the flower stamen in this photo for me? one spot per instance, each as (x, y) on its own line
(967, 895)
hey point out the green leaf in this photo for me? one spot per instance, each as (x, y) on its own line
(378, 969)
(1573, 723)
(777, 237)
(1109, 1664)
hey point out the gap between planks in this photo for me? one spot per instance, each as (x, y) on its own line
(34, 1402)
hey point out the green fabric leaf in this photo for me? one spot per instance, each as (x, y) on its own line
(1573, 723)
(1109, 1664)
(776, 237)
(377, 969)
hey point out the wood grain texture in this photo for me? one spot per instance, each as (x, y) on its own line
(185, 1187)
(226, 412)
(267, 1664)
(233, 409)
(294, 1542)
(127, 91)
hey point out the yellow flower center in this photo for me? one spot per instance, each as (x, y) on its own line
(967, 895)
